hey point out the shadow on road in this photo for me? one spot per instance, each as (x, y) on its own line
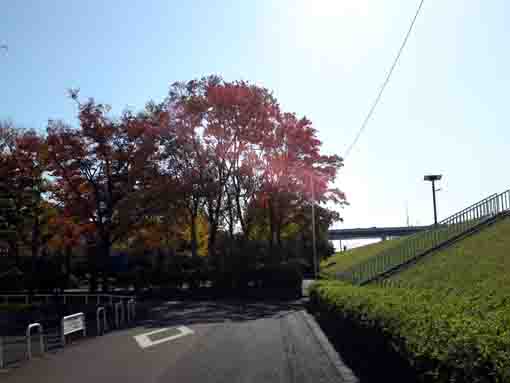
(188, 313)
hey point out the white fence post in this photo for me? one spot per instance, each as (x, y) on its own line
(119, 314)
(131, 309)
(98, 317)
(29, 339)
(72, 323)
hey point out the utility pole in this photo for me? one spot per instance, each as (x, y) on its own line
(433, 178)
(315, 263)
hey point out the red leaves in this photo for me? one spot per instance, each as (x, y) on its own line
(237, 132)
(227, 95)
(101, 165)
(242, 124)
(218, 146)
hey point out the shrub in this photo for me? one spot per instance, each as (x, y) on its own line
(443, 338)
(281, 276)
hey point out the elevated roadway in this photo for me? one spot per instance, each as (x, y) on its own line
(374, 232)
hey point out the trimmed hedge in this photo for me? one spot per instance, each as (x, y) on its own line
(442, 338)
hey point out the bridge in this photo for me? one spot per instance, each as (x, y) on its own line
(374, 232)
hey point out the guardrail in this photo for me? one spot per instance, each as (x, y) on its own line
(414, 246)
(65, 298)
(98, 320)
(29, 339)
(71, 324)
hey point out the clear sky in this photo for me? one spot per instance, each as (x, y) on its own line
(445, 109)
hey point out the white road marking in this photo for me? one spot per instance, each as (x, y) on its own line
(144, 341)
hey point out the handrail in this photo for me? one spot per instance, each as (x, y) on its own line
(468, 208)
(29, 339)
(65, 297)
(413, 246)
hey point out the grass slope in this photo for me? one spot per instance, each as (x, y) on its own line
(480, 264)
(344, 260)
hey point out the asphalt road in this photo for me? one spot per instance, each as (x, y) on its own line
(231, 342)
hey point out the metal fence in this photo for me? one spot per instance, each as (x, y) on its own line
(416, 245)
(16, 343)
(64, 298)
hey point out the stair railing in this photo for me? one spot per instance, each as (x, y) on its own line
(417, 244)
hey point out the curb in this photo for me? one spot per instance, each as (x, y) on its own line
(341, 368)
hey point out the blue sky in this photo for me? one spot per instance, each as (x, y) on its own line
(445, 109)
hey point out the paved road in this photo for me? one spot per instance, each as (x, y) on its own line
(231, 343)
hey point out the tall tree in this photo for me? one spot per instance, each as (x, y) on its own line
(221, 125)
(106, 171)
(23, 163)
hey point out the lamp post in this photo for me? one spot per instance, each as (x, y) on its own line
(433, 178)
(315, 264)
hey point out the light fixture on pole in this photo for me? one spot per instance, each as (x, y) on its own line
(433, 178)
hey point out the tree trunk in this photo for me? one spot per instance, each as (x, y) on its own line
(271, 225)
(105, 263)
(93, 267)
(211, 241)
(193, 236)
(68, 265)
(35, 253)
(15, 251)
(282, 253)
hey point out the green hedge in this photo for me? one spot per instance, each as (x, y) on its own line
(443, 338)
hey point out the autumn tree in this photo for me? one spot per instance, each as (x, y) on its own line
(106, 171)
(23, 167)
(9, 216)
(238, 154)
(219, 126)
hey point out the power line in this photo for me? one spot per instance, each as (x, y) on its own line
(386, 80)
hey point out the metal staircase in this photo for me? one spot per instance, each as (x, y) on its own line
(412, 248)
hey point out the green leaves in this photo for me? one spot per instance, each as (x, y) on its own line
(436, 333)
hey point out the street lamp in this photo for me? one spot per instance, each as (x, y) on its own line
(315, 263)
(433, 178)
